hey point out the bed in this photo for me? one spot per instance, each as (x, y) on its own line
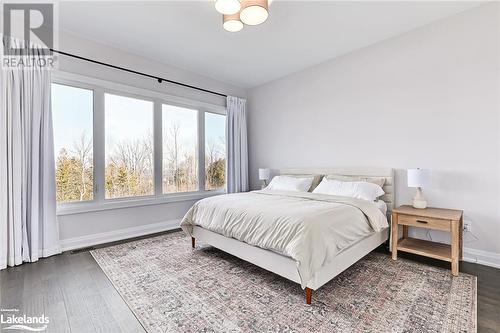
(307, 238)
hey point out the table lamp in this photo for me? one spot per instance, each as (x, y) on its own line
(418, 178)
(264, 175)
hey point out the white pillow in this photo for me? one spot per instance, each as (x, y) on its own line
(290, 183)
(358, 190)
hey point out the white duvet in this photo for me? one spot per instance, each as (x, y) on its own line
(307, 227)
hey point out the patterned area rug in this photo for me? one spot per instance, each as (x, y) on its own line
(172, 288)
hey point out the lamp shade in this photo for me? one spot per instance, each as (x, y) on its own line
(418, 177)
(264, 174)
(232, 23)
(254, 12)
(227, 7)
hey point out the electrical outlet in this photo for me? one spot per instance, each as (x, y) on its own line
(467, 226)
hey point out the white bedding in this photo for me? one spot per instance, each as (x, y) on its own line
(382, 206)
(307, 227)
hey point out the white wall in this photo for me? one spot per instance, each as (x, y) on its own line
(428, 98)
(83, 229)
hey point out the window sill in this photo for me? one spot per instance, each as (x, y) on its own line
(92, 206)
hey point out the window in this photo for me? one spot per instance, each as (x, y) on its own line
(215, 151)
(121, 146)
(72, 113)
(129, 146)
(180, 142)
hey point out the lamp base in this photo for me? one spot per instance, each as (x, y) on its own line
(420, 204)
(419, 201)
(264, 184)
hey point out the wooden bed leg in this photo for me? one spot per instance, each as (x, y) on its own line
(193, 242)
(309, 293)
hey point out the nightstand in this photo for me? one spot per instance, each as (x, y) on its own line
(430, 218)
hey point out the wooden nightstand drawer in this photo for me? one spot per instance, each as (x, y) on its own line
(424, 222)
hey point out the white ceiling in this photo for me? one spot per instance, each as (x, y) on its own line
(298, 34)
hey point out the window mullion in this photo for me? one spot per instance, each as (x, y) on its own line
(201, 150)
(158, 148)
(99, 149)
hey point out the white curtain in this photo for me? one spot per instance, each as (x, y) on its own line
(237, 149)
(28, 226)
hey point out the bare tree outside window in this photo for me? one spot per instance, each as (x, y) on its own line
(72, 112)
(180, 141)
(215, 151)
(129, 147)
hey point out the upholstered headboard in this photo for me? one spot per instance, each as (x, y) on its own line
(386, 173)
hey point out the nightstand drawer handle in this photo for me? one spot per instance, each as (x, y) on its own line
(422, 221)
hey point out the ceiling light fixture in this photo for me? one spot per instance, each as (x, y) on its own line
(227, 7)
(254, 12)
(232, 23)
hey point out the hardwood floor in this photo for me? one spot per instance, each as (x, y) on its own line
(71, 290)
(75, 294)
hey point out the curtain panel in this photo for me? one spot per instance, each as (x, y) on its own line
(237, 147)
(28, 225)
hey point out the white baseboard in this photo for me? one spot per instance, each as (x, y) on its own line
(117, 235)
(482, 257)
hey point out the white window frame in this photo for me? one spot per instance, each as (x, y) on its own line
(99, 88)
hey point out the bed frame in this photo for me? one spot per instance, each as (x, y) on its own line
(287, 267)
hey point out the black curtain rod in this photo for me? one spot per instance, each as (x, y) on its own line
(159, 79)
